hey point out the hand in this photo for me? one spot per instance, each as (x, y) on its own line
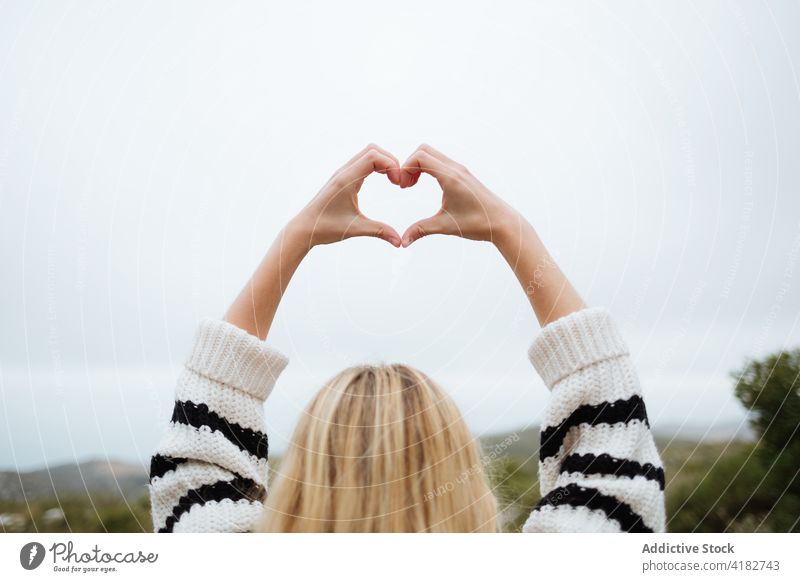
(333, 215)
(469, 209)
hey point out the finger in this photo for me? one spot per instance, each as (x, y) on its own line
(371, 161)
(393, 174)
(411, 180)
(422, 161)
(364, 226)
(368, 147)
(436, 224)
(437, 154)
(374, 161)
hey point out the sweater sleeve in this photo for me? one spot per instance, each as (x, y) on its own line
(599, 468)
(209, 470)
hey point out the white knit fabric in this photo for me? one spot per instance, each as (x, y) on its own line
(565, 518)
(584, 362)
(600, 470)
(221, 517)
(231, 373)
(231, 356)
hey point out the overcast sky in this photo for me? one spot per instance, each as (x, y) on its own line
(149, 153)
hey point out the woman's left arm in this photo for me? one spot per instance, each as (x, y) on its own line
(209, 472)
(333, 215)
(599, 467)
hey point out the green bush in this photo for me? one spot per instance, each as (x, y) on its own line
(770, 390)
(724, 495)
(516, 486)
(77, 514)
(746, 486)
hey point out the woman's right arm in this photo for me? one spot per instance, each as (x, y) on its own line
(598, 465)
(209, 471)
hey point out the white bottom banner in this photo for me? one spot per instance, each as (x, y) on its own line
(407, 557)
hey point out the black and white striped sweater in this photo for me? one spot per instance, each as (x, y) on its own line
(599, 467)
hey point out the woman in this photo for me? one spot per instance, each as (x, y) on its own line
(383, 448)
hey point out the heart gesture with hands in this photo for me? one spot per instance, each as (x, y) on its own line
(469, 210)
(333, 214)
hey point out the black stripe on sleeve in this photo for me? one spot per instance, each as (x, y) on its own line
(605, 464)
(198, 415)
(593, 414)
(160, 465)
(577, 496)
(235, 490)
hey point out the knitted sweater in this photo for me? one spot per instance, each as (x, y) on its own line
(599, 468)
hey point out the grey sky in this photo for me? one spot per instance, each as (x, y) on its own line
(150, 153)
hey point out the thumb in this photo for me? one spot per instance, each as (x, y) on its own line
(367, 227)
(432, 225)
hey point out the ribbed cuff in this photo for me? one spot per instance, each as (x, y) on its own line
(574, 342)
(230, 355)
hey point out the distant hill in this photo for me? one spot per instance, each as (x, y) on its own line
(94, 477)
(704, 477)
(129, 481)
(524, 444)
(728, 431)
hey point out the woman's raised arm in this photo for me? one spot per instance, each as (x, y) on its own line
(598, 465)
(209, 471)
(333, 215)
(470, 210)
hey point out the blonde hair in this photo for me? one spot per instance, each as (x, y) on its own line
(381, 449)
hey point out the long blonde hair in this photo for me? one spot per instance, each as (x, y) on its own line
(381, 449)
